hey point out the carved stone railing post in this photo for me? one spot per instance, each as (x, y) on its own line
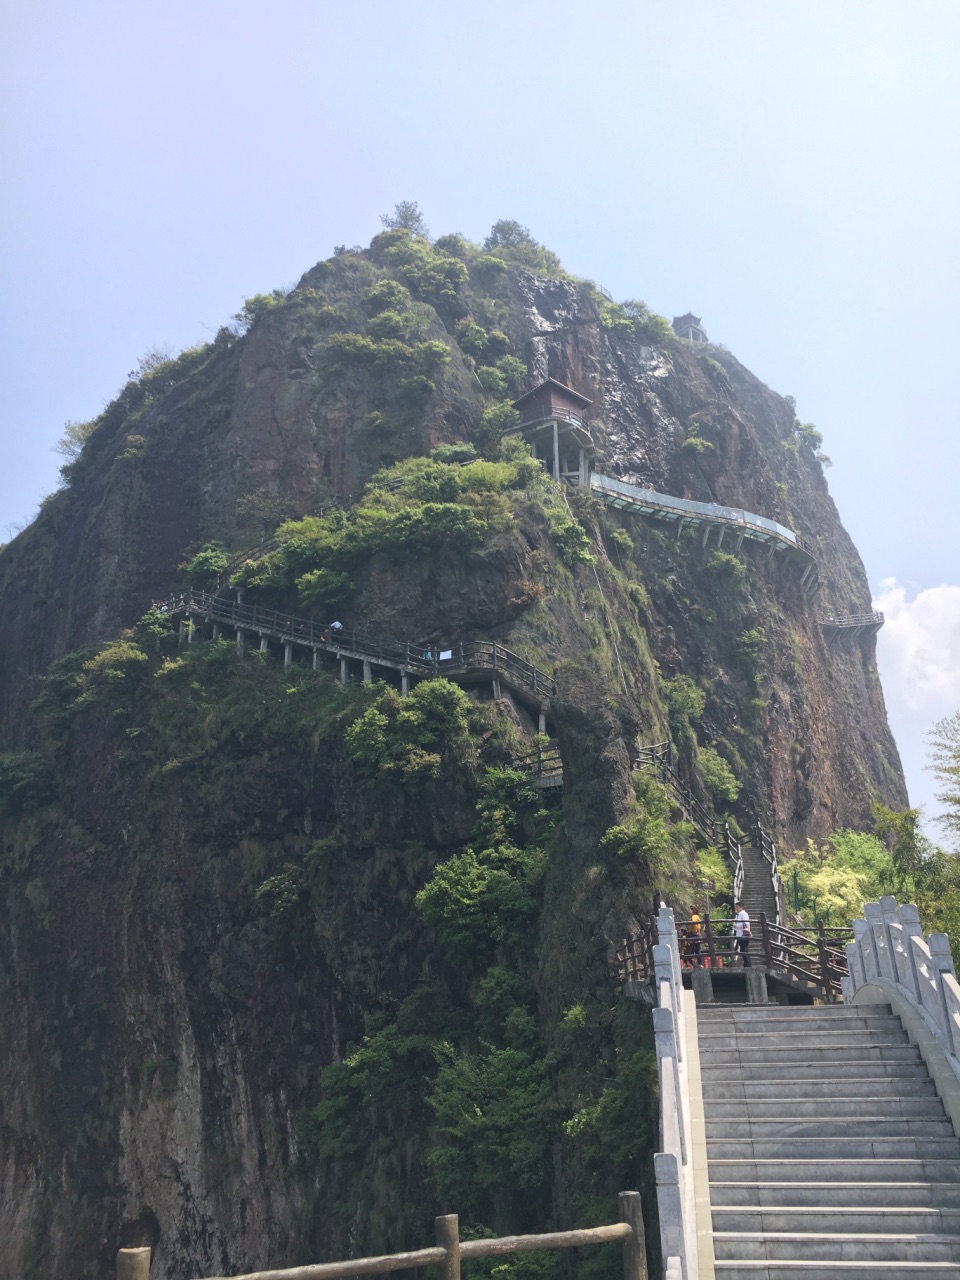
(889, 950)
(670, 1206)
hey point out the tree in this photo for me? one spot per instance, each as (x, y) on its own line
(406, 214)
(945, 765)
(511, 240)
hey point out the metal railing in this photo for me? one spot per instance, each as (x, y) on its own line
(422, 659)
(861, 620)
(449, 1251)
(658, 758)
(560, 415)
(544, 763)
(764, 843)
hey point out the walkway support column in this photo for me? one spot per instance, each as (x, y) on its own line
(316, 659)
(287, 654)
(367, 671)
(344, 671)
(404, 682)
(133, 1264)
(263, 644)
(556, 450)
(543, 720)
(239, 644)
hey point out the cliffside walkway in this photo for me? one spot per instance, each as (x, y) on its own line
(856, 624)
(814, 1142)
(470, 662)
(713, 518)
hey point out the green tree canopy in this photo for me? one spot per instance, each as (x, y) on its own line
(945, 765)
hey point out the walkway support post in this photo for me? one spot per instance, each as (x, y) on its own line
(447, 1229)
(367, 671)
(263, 643)
(634, 1246)
(133, 1264)
(239, 644)
(287, 654)
(344, 671)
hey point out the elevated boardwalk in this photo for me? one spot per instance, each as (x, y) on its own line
(469, 662)
(712, 518)
(855, 624)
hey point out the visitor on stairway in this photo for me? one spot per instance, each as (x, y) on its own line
(741, 930)
(696, 930)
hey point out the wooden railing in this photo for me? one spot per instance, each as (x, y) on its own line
(134, 1264)
(813, 956)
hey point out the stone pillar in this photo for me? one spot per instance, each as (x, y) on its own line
(344, 671)
(756, 985)
(287, 654)
(182, 633)
(543, 721)
(367, 672)
(216, 632)
(316, 659)
(263, 644)
(496, 686)
(556, 450)
(239, 643)
(404, 682)
(702, 986)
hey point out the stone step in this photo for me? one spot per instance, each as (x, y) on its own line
(757, 1129)
(813, 1038)
(835, 1054)
(814, 1168)
(833, 1219)
(832, 1108)
(840, 1246)
(748, 1093)
(791, 1026)
(796, 1269)
(832, 1148)
(789, 1072)
(757, 1012)
(921, 1195)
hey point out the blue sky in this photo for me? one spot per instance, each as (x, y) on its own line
(786, 170)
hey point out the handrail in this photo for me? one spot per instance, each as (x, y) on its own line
(889, 950)
(134, 1264)
(418, 658)
(673, 1164)
(753, 525)
(768, 850)
(874, 619)
(543, 762)
(659, 757)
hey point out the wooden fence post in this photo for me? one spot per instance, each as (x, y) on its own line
(767, 944)
(133, 1264)
(635, 1246)
(447, 1230)
(711, 945)
(824, 961)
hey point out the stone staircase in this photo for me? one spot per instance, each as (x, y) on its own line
(757, 890)
(829, 1152)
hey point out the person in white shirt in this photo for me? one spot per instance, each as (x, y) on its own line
(741, 928)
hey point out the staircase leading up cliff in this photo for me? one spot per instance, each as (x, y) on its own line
(829, 1152)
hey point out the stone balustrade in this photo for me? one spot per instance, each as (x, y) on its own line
(673, 1164)
(889, 949)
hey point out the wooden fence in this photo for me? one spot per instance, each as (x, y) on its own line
(134, 1264)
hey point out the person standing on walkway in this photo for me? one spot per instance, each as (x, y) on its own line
(696, 932)
(741, 929)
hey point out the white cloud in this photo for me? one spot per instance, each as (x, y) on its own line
(918, 649)
(918, 653)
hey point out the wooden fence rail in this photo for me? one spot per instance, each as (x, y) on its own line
(134, 1264)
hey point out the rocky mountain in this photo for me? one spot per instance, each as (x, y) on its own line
(289, 965)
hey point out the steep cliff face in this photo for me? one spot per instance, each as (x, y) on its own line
(209, 875)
